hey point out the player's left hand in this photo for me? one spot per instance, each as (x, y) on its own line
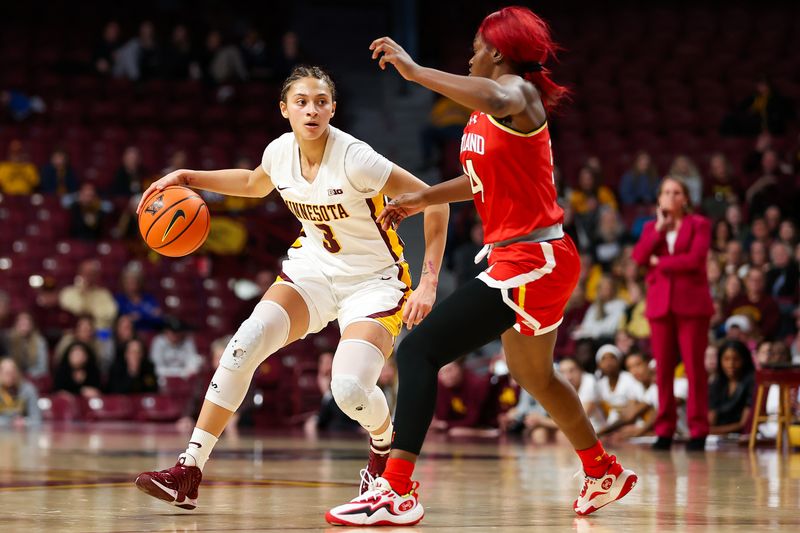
(419, 304)
(395, 54)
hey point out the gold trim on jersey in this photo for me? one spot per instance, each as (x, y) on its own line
(390, 237)
(393, 322)
(512, 131)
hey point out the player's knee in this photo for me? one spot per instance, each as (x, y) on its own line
(351, 396)
(259, 336)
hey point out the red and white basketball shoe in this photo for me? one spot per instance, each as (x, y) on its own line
(381, 506)
(599, 492)
(177, 485)
(375, 466)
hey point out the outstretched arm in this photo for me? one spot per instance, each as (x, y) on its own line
(502, 97)
(233, 182)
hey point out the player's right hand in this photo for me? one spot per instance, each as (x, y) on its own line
(400, 208)
(176, 177)
(386, 50)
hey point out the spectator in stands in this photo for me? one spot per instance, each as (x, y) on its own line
(674, 247)
(590, 195)
(27, 347)
(460, 399)
(140, 57)
(638, 416)
(464, 256)
(639, 184)
(755, 303)
(58, 176)
(173, 352)
(769, 187)
(179, 60)
(133, 373)
(222, 63)
(603, 316)
(82, 331)
(133, 301)
(88, 214)
(765, 110)
(773, 217)
(5, 310)
(734, 217)
(104, 55)
(739, 328)
(634, 322)
(710, 363)
(86, 296)
(684, 169)
(618, 390)
(758, 259)
(734, 257)
(722, 187)
(21, 105)
(50, 317)
(573, 316)
(446, 122)
(529, 418)
(731, 393)
(608, 237)
(18, 398)
(783, 273)
(256, 57)
(124, 332)
(586, 385)
(722, 235)
(289, 55)
(78, 372)
(130, 176)
(18, 176)
(127, 228)
(329, 417)
(715, 277)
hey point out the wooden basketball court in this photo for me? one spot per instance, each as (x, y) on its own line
(80, 479)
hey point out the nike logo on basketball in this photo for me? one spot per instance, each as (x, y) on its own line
(178, 214)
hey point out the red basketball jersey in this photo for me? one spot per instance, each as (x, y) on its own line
(512, 177)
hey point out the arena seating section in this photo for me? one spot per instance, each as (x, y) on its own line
(650, 79)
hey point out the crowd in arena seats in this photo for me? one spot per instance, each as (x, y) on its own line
(85, 310)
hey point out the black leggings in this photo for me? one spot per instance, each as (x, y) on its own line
(471, 317)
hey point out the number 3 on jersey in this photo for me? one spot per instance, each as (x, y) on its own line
(474, 181)
(329, 241)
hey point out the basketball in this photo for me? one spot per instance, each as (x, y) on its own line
(174, 221)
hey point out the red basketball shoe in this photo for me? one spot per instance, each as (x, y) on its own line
(380, 506)
(177, 485)
(599, 492)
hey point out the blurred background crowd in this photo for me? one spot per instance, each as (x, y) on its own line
(96, 106)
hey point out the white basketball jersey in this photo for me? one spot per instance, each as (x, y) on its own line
(339, 228)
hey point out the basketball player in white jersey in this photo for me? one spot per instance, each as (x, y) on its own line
(343, 266)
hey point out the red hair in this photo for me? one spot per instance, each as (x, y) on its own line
(524, 40)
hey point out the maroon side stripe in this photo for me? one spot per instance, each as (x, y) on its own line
(373, 211)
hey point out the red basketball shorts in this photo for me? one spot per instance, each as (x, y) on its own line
(536, 280)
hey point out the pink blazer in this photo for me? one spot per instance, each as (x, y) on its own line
(678, 284)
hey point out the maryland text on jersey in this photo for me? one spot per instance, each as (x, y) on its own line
(317, 213)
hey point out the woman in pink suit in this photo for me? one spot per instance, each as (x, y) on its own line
(674, 247)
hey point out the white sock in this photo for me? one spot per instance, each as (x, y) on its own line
(381, 442)
(199, 448)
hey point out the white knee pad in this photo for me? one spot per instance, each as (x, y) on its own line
(356, 367)
(261, 335)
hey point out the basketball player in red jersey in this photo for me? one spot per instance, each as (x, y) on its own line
(533, 265)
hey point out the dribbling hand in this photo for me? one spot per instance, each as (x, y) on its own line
(176, 177)
(395, 54)
(400, 208)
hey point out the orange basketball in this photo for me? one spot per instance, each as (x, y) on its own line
(174, 221)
